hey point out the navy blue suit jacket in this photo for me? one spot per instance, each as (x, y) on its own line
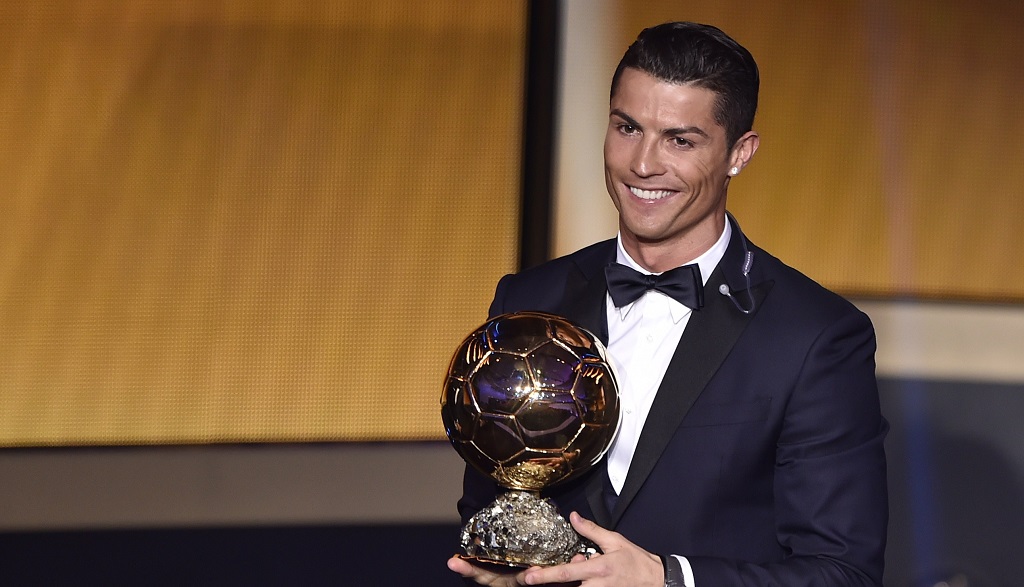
(761, 460)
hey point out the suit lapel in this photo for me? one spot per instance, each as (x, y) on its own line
(586, 291)
(709, 337)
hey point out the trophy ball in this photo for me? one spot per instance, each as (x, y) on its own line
(530, 400)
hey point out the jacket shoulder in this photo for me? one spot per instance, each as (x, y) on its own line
(542, 287)
(796, 293)
(586, 260)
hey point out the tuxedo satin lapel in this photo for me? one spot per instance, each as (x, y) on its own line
(709, 336)
(594, 489)
(585, 299)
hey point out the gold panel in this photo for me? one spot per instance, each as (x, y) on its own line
(249, 221)
(890, 160)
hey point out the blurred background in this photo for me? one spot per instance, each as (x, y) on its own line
(240, 240)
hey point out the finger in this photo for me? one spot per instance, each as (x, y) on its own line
(557, 574)
(481, 575)
(587, 529)
(464, 568)
(471, 571)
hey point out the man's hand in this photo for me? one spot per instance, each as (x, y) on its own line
(484, 576)
(622, 564)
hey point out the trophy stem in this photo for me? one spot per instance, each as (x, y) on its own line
(522, 529)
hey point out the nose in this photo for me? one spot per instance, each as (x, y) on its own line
(646, 159)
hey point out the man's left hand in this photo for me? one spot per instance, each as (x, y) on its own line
(623, 563)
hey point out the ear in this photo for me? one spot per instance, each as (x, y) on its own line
(743, 151)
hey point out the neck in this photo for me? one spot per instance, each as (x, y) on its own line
(660, 256)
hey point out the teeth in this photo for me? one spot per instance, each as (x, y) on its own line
(649, 194)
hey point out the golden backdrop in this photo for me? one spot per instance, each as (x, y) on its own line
(891, 159)
(246, 221)
(260, 221)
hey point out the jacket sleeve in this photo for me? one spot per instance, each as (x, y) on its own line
(830, 473)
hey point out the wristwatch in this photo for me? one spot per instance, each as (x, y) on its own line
(673, 572)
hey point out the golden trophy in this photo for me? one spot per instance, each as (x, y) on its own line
(530, 400)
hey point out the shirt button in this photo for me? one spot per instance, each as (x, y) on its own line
(629, 411)
(650, 338)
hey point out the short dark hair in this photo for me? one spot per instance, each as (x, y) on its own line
(702, 55)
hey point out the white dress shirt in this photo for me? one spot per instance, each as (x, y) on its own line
(642, 337)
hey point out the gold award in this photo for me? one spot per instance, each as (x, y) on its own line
(530, 400)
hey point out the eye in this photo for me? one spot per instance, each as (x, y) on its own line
(628, 129)
(681, 142)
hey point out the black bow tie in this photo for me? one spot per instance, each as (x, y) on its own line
(682, 284)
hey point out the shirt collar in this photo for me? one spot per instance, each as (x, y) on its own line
(707, 261)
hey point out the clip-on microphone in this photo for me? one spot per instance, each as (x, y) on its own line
(748, 262)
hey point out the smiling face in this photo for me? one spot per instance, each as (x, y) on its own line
(667, 168)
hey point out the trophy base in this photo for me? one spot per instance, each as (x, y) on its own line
(520, 530)
(502, 565)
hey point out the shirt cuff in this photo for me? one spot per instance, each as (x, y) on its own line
(686, 570)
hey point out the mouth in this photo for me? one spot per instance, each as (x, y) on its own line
(649, 194)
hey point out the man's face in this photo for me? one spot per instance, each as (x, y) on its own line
(667, 168)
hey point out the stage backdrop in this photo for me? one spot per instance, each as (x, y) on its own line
(890, 139)
(240, 221)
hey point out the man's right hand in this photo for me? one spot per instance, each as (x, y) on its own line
(484, 576)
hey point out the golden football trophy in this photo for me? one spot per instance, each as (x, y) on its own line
(530, 400)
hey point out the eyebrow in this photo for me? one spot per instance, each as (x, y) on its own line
(669, 131)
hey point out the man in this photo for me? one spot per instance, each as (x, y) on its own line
(750, 451)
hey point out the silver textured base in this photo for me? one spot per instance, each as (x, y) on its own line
(520, 529)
